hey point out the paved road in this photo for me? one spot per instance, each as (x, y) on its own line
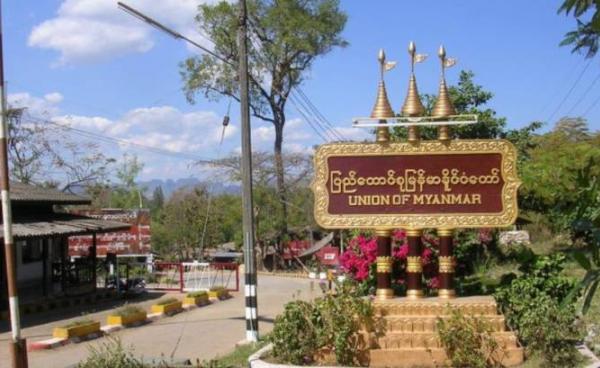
(203, 333)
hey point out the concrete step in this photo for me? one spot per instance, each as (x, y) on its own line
(430, 357)
(477, 305)
(407, 323)
(401, 340)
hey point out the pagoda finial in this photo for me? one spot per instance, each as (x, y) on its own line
(443, 106)
(412, 104)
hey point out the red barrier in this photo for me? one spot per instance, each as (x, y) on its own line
(222, 266)
(166, 272)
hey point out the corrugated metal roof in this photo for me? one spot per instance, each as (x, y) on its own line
(20, 192)
(62, 224)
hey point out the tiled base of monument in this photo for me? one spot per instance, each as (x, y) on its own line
(411, 338)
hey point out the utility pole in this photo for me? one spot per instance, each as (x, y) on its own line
(248, 208)
(18, 348)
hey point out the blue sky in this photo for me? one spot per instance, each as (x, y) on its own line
(88, 64)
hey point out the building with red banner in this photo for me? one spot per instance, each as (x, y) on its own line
(134, 242)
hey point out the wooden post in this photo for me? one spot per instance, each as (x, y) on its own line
(414, 267)
(446, 264)
(384, 264)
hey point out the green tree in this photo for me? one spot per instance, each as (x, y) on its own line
(180, 228)
(586, 37)
(550, 173)
(41, 153)
(158, 198)
(297, 168)
(127, 194)
(287, 35)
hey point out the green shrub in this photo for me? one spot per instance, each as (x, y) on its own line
(167, 301)
(552, 330)
(531, 304)
(111, 354)
(332, 323)
(468, 341)
(128, 310)
(294, 333)
(217, 288)
(197, 294)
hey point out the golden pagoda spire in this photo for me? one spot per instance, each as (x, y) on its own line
(443, 106)
(382, 109)
(412, 104)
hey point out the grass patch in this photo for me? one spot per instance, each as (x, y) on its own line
(167, 301)
(197, 294)
(239, 357)
(127, 311)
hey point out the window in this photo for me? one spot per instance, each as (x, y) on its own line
(31, 250)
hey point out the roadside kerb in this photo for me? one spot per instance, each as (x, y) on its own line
(55, 342)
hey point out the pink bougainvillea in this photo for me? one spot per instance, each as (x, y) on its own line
(361, 253)
(359, 256)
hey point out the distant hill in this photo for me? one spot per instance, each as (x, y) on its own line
(169, 186)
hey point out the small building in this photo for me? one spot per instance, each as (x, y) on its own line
(133, 244)
(41, 231)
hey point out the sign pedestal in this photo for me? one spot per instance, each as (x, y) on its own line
(411, 337)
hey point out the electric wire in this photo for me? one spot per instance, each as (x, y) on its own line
(583, 95)
(118, 141)
(309, 108)
(569, 92)
(303, 111)
(178, 35)
(318, 113)
(591, 107)
(564, 81)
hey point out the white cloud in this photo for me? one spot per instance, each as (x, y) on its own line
(96, 123)
(41, 107)
(87, 31)
(53, 98)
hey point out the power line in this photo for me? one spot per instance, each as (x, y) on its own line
(564, 81)
(118, 141)
(310, 109)
(178, 35)
(319, 115)
(591, 107)
(308, 121)
(584, 95)
(570, 91)
(304, 111)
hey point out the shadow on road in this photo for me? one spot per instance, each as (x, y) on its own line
(80, 310)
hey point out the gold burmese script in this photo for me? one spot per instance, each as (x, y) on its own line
(411, 184)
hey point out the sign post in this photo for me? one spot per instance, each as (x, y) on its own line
(442, 184)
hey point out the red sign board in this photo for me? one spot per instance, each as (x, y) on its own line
(329, 255)
(135, 241)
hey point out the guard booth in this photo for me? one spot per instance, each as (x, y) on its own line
(41, 234)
